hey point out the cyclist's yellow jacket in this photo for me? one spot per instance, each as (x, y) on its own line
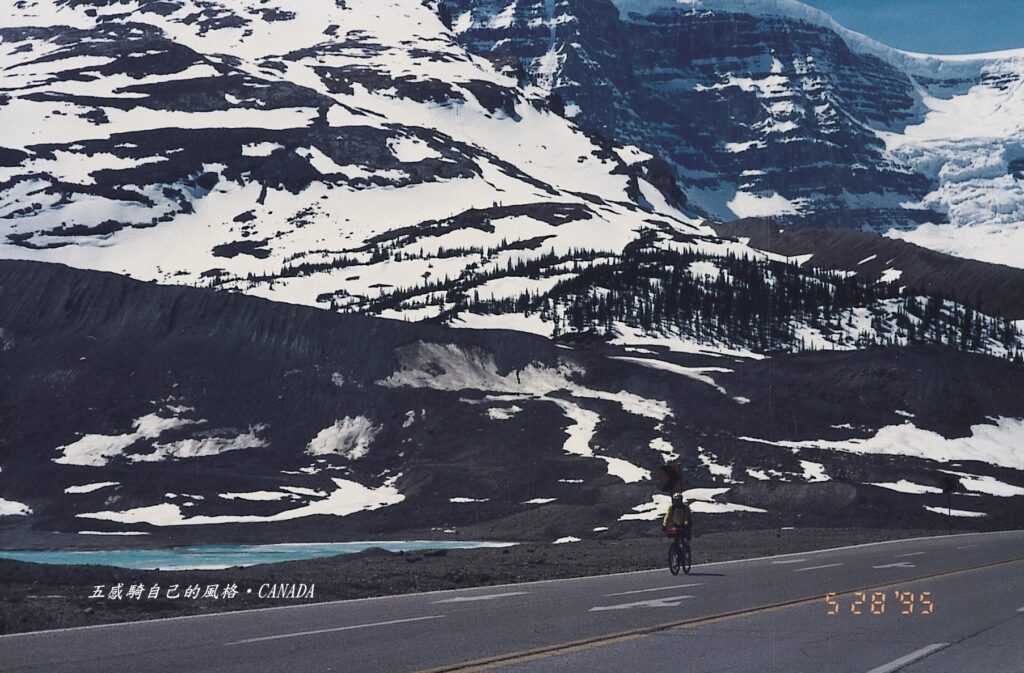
(676, 516)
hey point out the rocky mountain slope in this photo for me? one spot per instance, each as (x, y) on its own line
(181, 414)
(770, 108)
(326, 153)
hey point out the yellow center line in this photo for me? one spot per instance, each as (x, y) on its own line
(524, 656)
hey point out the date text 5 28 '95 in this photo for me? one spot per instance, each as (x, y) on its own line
(875, 603)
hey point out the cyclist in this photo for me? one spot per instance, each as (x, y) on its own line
(679, 517)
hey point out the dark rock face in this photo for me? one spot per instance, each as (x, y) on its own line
(192, 398)
(89, 352)
(737, 103)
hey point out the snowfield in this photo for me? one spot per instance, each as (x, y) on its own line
(956, 512)
(996, 444)
(905, 486)
(90, 488)
(349, 437)
(12, 508)
(256, 496)
(294, 147)
(348, 498)
(97, 450)
(203, 447)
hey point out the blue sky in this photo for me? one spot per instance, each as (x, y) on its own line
(936, 26)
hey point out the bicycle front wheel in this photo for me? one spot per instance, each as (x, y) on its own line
(687, 558)
(675, 558)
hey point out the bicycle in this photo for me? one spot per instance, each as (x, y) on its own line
(679, 553)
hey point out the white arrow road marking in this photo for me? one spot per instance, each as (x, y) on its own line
(901, 564)
(909, 659)
(485, 597)
(788, 561)
(1020, 609)
(669, 602)
(967, 546)
(916, 553)
(645, 591)
(334, 630)
(830, 565)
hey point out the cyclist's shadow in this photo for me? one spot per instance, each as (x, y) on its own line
(706, 575)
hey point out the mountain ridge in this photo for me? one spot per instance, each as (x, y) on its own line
(196, 416)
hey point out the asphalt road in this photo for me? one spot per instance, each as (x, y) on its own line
(964, 596)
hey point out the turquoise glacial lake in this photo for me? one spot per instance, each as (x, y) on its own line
(216, 557)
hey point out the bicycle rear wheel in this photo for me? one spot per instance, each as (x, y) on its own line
(675, 558)
(687, 558)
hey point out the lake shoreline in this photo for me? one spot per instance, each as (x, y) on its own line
(224, 556)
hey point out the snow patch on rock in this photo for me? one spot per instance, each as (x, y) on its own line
(348, 498)
(256, 496)
(906, 486)
(987, 485)
(89, 488)
(349, 437)
(12, 508)
(97, 450)
(204, 447)
(119, 533)
(956, 512)
(996, 444)
(503, 413)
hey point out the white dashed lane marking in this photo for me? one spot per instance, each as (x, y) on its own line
(485, 597)
(829, 565)
(909, 659)
(333, 630)
(668, 602)
(646, 591)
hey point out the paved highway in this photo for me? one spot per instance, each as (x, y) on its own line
(948, 604)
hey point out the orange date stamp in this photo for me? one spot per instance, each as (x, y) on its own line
(905, 603)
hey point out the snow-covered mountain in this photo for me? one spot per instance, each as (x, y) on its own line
(771, 108)
(362, 155)
(337, 149)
